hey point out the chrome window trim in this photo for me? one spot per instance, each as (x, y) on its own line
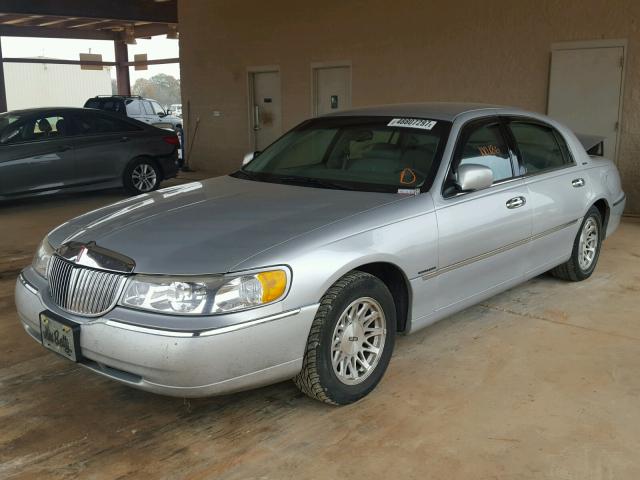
(497, 251)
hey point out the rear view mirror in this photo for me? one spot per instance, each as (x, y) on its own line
(471, 177)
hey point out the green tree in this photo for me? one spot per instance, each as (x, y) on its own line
(161, 87)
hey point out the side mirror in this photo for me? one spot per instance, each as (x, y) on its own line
(169, 112)
(248, 157)
(471, 177)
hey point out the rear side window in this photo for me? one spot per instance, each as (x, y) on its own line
(146, 106)
(484, 144)
(133, 108)
(98, 124)
(109, 104)
(541, 148)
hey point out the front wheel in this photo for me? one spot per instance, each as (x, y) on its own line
(141, 176)
(351, 340)
(586, 249)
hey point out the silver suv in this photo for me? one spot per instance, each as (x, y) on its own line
(143, 109)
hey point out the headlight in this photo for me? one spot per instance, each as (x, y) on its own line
(42, 258)
(188, 295)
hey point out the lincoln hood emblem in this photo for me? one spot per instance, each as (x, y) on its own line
(93, 256)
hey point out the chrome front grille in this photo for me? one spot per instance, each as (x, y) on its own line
(83, 290)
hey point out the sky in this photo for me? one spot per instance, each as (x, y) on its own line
(68, 49)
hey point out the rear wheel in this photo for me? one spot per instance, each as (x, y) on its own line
(351, 340)
(141, 176)
(586, 249)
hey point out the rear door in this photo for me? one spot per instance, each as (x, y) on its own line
(103, 145)
(36, 154)
(558, 191)
(483, 234)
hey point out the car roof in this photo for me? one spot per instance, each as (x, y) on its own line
(30, 111)
(446, 111)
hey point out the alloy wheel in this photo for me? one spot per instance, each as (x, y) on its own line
(144, 177)
(588, 244)
(358, 341)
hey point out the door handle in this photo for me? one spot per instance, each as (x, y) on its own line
(516, 202)
(578, 182)
(64, 148)
(124, 139)
(256, 118)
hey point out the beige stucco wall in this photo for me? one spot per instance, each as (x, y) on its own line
(491, 51)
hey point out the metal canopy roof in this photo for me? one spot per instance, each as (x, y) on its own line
(93, 19)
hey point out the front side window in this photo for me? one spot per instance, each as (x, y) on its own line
(541, 149)
(38, 128)
(484, 144)
(354, 153)
(157, 109)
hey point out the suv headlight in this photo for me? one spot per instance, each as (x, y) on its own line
(43, 257)
(191, 295)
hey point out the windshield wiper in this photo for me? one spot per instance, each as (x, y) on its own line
(316, 182)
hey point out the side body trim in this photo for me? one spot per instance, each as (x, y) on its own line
(502, 249)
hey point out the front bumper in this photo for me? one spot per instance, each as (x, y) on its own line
(259, 352)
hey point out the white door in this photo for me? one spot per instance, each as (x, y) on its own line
(332, 89)
(585, 88)
(266, 112)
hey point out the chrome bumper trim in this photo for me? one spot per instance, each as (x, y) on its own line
(204, 333)
(27, 285)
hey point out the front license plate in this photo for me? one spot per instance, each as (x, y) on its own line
(60, 336)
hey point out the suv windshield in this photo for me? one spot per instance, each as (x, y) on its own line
(382, 154)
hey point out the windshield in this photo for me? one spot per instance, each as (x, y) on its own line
(381, 154)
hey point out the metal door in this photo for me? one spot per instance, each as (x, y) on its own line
(585, 91)
(332, 89)
(266, 108)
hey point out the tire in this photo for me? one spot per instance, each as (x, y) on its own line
(577, 268)
(341, 385)
(142, 175)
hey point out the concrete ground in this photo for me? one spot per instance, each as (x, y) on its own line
(539, 382)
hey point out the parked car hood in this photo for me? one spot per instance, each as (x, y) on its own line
(213, 225)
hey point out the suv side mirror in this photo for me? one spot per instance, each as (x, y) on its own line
(471, 177)
(169, 112)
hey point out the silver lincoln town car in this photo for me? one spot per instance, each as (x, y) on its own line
(309, 260)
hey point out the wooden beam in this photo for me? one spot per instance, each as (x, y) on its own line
(130, 10)
(159, 61)
(59, 61)
(14, 31)
(3, 91)
(122, 70)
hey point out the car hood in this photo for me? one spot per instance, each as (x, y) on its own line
(212, 225)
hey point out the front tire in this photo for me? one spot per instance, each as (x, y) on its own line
(142, 175)
(586, 250)
(351, 340)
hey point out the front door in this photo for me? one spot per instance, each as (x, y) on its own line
(332, 89)
(483, 235)
(36, 154)
(585, 91)
(266, 111)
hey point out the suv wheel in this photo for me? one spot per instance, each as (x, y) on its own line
(141, 176)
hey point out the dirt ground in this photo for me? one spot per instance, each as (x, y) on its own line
(539, 382)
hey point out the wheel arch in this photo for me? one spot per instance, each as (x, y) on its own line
(151, 158)
(398, 284)
(605, 210)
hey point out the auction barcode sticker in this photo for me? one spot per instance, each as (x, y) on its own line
(420, 123)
